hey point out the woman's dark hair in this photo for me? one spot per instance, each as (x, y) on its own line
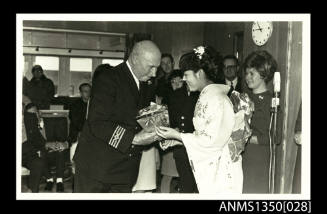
(210, 61)
(167, 55)
(263, 62)
(82, 85)
(175, 73)
(30, 105)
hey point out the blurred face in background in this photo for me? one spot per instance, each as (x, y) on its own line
(37, 74)
(176, 83)
(85, 92)
(167, 65)
(230, 69)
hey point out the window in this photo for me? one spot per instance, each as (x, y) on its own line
(80, 72)
(112, 62)
(50, 65)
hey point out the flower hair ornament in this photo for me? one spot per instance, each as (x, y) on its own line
(199, 51)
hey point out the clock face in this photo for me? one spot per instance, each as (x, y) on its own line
(261, 32)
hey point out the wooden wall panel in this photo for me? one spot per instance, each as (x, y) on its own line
(48, 39)
(83, 41)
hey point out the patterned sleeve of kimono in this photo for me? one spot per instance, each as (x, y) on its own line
(213, 122)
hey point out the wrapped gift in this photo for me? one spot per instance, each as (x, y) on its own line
(153, 116)
(150, 117)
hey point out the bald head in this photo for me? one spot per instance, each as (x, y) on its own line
(145, 59)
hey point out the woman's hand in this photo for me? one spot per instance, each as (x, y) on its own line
(168, 133)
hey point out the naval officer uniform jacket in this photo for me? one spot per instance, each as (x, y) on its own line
(105, 152)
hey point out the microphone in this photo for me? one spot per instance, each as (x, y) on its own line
(276, 82)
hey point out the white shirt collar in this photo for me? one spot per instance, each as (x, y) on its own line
(135, 78)
(229, 82)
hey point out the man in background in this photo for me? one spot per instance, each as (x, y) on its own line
(77, 116)
(40, 89)
(231, 75)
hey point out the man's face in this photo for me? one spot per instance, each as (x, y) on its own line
(167, 65)
(85, 92)
(37, 74)
(176, 83)
(230, 69)
(147, 66)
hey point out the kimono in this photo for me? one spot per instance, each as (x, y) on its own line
(216, 166)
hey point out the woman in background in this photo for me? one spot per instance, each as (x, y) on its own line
(259, 70)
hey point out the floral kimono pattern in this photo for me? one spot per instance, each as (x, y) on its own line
(220, 134)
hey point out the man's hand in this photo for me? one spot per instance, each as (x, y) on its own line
(144, 138)
(62, 146)
(254, 140)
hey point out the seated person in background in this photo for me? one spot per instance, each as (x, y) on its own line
(231, 73)
(181, 106)
(40, 89)
(33, 149)
(77, 116)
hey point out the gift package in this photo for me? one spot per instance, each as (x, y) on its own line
(150, 117)
(153, 116)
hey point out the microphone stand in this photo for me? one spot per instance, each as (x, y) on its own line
(273, 143)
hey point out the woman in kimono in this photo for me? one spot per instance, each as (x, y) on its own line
(214, 156)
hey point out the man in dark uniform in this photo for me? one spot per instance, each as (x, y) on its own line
(181, 106)
(231, 75)
(108, 153)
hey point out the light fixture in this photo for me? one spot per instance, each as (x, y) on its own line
(101, 52)
(69, 50)
(37, 48)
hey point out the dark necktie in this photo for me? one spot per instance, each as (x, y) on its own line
(231, 89)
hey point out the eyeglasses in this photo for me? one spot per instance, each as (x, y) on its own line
(230, 67)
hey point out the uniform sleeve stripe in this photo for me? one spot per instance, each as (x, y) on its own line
(113, 135)
(116, 139)
(120, 137)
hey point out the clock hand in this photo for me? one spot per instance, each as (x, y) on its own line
(259, 27)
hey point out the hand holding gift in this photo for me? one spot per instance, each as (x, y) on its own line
(149, 118)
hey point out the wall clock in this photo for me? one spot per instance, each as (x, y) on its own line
(261, 32)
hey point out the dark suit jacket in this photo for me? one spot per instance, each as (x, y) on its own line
(238, 86)
(41, 92)
(104, 151)
(77, 115)
(181, 111)
(35, 140)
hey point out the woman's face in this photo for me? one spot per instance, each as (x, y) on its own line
(176, 83)
(192, 80)
(253, 78)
